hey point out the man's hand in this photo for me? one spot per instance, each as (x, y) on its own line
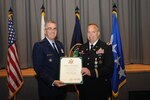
(58, 83)
(85, 71)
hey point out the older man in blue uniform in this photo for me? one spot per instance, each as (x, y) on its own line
(97, 68)
(46, 62)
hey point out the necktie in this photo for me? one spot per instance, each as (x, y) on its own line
(91, 46)
(54, 47)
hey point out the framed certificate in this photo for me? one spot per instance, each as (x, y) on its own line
(70, 70)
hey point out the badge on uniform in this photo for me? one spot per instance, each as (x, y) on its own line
(81, 52)
(50, 60)
(100, 62)
(100, 51)
(49, 54)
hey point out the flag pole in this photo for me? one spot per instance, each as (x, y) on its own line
(76, 42)
(15, 97)
(42, 21)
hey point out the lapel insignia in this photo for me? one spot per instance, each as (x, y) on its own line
(82, 52)
(94, 49)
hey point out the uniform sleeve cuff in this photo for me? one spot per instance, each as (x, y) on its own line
(53, 84)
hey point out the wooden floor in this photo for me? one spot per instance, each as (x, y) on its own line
(132, 68)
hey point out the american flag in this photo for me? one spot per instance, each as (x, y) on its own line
(14, 76)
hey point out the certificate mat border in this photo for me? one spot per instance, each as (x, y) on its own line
(60, 69)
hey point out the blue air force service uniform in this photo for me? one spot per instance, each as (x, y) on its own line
(46, 63)
(99, 60)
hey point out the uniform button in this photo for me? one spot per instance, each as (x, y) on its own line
(87, 63)
(88, 58)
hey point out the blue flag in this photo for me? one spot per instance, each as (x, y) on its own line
(77, 39)
(119, 75)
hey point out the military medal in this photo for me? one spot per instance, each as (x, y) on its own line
(95, 62)
(100, 61)
(96, 66)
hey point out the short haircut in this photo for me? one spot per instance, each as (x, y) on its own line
(49, 21)
(93, 24)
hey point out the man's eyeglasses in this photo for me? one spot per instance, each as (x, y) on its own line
(49, 28)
